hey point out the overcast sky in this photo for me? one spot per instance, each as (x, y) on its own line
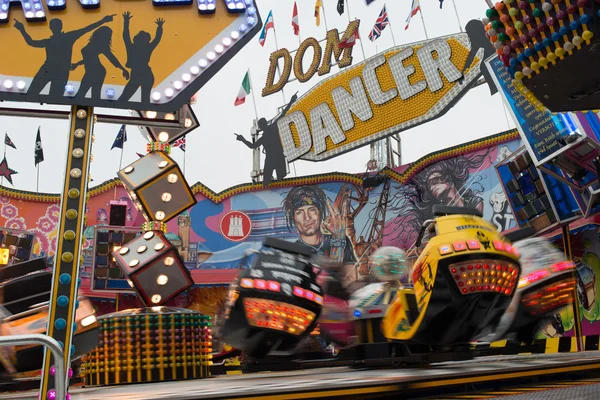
(215, 158)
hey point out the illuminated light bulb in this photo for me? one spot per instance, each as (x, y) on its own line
(29, 14)
(172, 178)
(3, 15)
(170, 117)
(156, 299)
(159, 215)
(156, 96)
(188, 122)
(194, 70)
(151, 114)
(527, 71)
(159, 246)
(235, 35)
(568, 46)
(577, 41)
(177, 85)
(141, 249)
(123, 250)
(211, 56)
(40, 14)
(219, 49)
(227, 42)
(169, 92)
(162, 280)
(169, 261)
(148, 235)
(186, 77)
(8, 84)
(166, 197)
(21, 85)
(129, 282)
(203, 63)
(163, 136)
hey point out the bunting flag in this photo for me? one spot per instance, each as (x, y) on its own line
(269, 24)
(180, 143)
(351, 41)
(8, 142)
(370, 1)
(340, 6)
(140, 155)
(6, 172)
(380, 24)
(318, 6)
(120, 139)
(295, 23)
(39, 150)
(441, 4)
(244, 91)
(415, 8)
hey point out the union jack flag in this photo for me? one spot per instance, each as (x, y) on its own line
(380, 24)
(180, 143)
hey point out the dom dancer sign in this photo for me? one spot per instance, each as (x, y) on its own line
(156, 54)
(393, 91)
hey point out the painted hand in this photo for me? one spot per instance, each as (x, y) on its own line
(109, 18)
(160, 22)
(336, 221)
(126, 74)
(74, 66)
(239, 137)
(127, 16)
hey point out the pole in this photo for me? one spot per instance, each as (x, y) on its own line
(5, 134)
(184, 151)
(324, 20)
(37, 180)
(252, 93)
(65, 277)
(566, 234)
(390, 24)
(120, 163)
(457, 17)
(278, 69)
(362, 47)
(423, 21)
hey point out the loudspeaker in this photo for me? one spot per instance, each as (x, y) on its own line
(117, 214)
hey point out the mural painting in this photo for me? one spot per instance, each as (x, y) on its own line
(334, 216)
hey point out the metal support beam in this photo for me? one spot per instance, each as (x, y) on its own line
(566, 236)
(51, 345)
(65, 278)
(107, 119)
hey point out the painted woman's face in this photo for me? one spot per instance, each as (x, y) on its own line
(438, 185)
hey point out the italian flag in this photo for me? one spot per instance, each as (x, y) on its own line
(244, 91)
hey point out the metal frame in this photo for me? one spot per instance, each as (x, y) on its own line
(109, 228)
(52, 345)
(550, 227)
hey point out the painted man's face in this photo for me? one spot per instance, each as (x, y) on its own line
(438, 185)
(307, 220)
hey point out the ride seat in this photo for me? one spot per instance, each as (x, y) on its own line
(20, 294)
(412, 307)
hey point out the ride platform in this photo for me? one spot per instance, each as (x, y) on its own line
(332, 382)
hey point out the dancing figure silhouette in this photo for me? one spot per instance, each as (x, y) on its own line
(95, 73)
(139, 52)
(59, 51)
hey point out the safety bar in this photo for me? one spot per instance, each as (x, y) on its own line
(60, 377)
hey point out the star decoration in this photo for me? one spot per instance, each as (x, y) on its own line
(6, 172)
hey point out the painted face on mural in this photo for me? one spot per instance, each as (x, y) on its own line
(440, 187)
(308, 223)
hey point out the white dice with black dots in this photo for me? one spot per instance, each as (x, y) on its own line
(157, 187)
(154, 268)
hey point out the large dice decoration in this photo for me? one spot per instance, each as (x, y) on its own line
(154, 268)
(157, 187)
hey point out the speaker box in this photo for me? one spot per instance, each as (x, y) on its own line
(118, 213)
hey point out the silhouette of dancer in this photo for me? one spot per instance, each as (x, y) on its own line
(271, 143)
(476, 32)
(139, 52)
(59, 50)
(100, 43)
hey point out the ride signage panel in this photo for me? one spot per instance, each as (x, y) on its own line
(155, 54)
(393, 91)
(540, 130)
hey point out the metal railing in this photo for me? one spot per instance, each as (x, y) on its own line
(60, 377)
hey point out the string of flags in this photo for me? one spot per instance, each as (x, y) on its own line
(414, 10)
